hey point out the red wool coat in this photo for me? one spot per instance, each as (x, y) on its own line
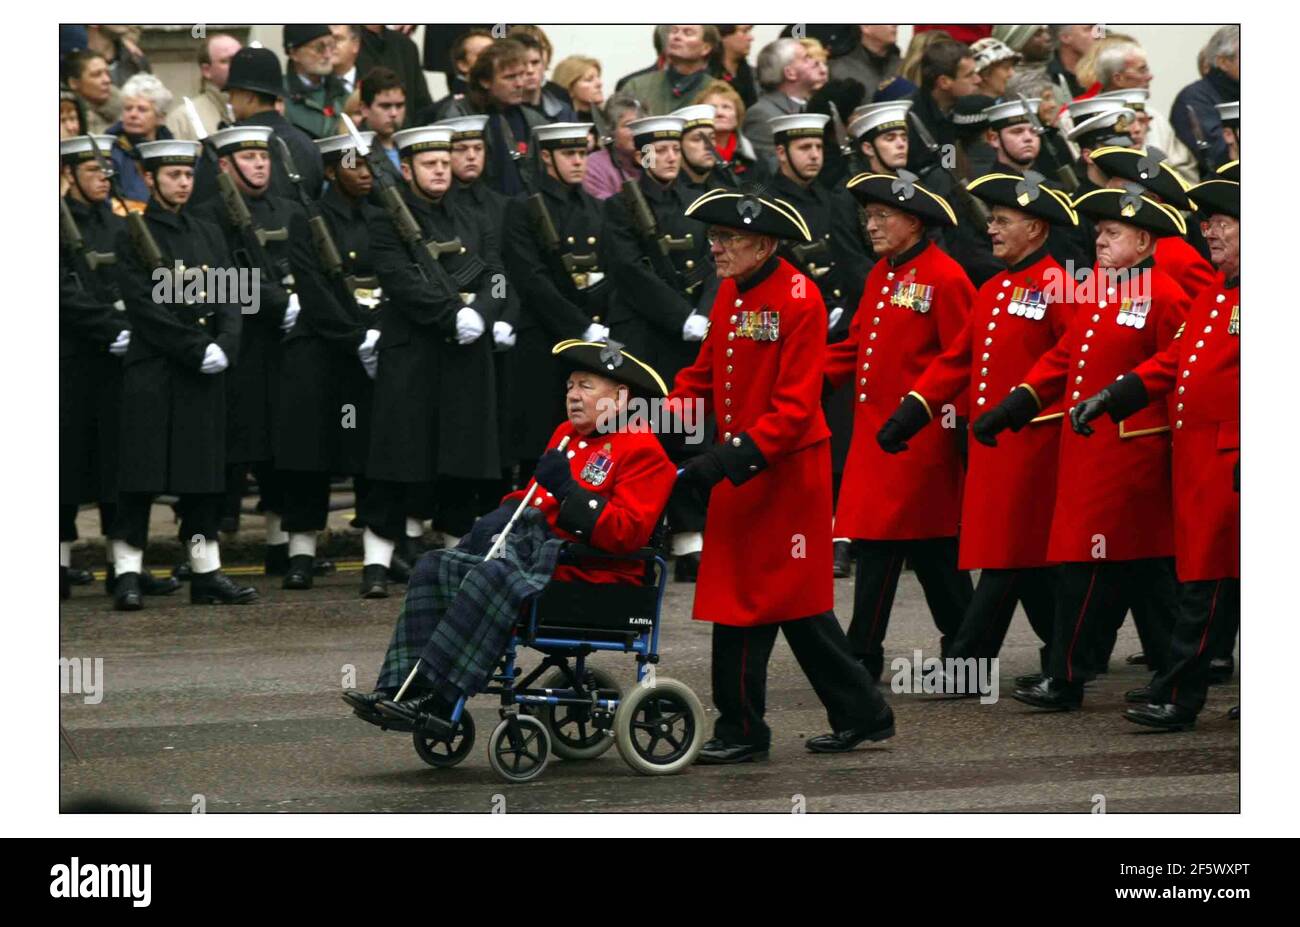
(1200, 372)
(899, 328)
(1007, 500)
(767, 542)
(624, 480)
(1185, 264)
(1113, 495)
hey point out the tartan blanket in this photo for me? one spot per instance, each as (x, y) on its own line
(460, 609)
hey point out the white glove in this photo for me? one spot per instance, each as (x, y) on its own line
(504, 334)
(469, 325)
(596, 332)
(369, 356)
(291, 313)
(214, 359)
(696, 327)
(835, 315)
(120, 343)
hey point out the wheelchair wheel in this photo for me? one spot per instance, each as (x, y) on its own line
(659, 728)
(573, 736)
(522, 760)
(446, 753)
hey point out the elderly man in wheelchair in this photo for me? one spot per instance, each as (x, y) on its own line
(581, 527)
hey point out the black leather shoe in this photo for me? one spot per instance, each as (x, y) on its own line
(1140, 696)
(374, 581)
(1051, 695)
(1234, 713)
(126, 593)
(720, 753)
(65, 589)
(216, 588)
(687, 568)
(324, 567)
(182, 572)
(363, 703)
(1221, 670)
(1028, 680)
(425, 713)
(78, 577)
(1136, 659)
(1165, 717)
(277, 559)
(152, 585)
(843, 559)
(299, 573)
(844, 741)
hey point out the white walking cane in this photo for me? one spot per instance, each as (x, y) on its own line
(492, 554)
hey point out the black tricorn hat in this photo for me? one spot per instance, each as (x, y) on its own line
(1147, 168)
(256, 69)
(1218, 196)
(1230, 171)
(750, 212)
(1131, 206)
(608, 359)
(902, 191)
(1029, 194)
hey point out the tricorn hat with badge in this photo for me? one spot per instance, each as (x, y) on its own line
(902, 191)
(1133, 207)
(1217, 197)
(256, 69)
(1028, 194)
(750, 211)
(608, 359)
(1147, 168)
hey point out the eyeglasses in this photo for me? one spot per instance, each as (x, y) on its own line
(725, 239)
(1001, 222)
(1218, 227)
(879, 216)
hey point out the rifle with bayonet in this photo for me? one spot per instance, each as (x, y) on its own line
(581, 268)
(146, 246)
(425, 254)
(237, 213)
(87, 261)
(959, 189)
(331, 261)
(1065, 170)
(723, 167)
(662, 247)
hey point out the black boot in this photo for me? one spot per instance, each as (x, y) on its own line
(65, 589)
(277, 559)
(843, 559)
(216, 588)
(126, 593)
(300, 572)
(374, 581)
(687, 568)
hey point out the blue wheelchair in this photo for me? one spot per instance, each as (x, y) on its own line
(578, 711)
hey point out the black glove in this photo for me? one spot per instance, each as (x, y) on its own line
(553, 473)
(1091, 408)
(1014, 412)
(909, 418)
(706, 470)
(988, 425)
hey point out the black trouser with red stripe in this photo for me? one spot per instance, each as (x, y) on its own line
(1208, 614)
(948, 592)
(740, 658)
(1091, 601)
(984, 627)
(1154, 603)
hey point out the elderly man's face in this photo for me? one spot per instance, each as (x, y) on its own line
(591, 400)
(737, 254)
(1223, 235)
(1136, 73)
(1120, 244)
(891, 231)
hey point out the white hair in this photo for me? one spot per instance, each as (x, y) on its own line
(772, 61)
(1112, 59)
(1223, 44)
(148, 87)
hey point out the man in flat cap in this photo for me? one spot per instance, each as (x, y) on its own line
(1119, 479)
(767, 559)
(314, 97)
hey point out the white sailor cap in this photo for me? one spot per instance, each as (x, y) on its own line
(334, 147)
(1082, 109)
(169, 151)
(653, 129)
(240, 138)
(422, 138)
(701, 114)
(1230, 113)
(1135, 98)
(563, 135)
(78, 148)
(1006, 113)
(1109, 127)
(874, 119)
(464, 127)
(798, 125)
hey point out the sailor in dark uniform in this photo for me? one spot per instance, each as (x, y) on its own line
(879, 130)
(702, 169)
